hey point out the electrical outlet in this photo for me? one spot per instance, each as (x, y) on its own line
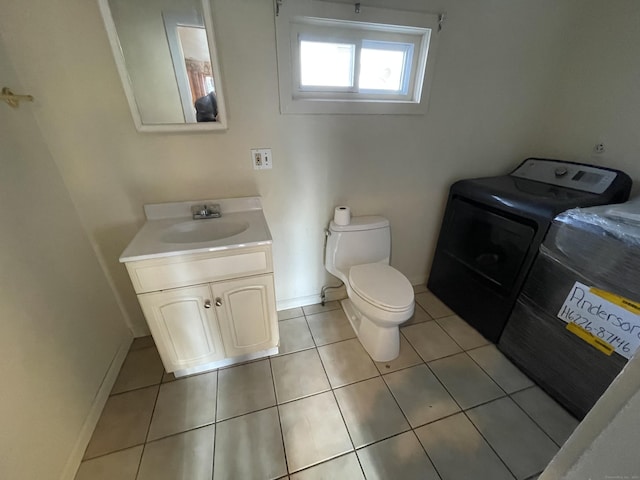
(256, 159)
(261, 158)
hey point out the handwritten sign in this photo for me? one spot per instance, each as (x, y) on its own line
(607, 317)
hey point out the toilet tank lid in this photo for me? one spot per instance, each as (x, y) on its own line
(365, 222)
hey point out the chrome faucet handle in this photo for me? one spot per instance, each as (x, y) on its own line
(204, 211)
(199, 211)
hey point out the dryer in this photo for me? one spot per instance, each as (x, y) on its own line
(493, 226)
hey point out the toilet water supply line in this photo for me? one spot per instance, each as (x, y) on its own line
(323, 292)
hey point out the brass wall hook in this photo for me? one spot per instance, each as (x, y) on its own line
(12, 99)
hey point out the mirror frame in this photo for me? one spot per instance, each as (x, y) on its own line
(121, 65)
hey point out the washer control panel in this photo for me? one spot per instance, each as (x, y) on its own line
(586, 178)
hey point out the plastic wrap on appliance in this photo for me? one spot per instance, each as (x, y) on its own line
(603, 249)
(573, 372)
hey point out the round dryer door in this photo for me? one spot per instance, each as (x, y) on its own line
(382, 285)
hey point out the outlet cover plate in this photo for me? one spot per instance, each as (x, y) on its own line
(261, 158)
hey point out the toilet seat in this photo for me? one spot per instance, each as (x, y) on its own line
(382, 286)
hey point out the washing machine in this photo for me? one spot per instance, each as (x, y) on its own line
(575, 358)
(493, 226)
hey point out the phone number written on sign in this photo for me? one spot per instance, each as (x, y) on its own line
(617, 325)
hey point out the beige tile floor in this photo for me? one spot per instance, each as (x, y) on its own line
(450, 407)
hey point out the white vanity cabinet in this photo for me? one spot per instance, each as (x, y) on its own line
(207, 310)
(184, 326)
(245, 314)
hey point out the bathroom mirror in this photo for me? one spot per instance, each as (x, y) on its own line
(166, 56)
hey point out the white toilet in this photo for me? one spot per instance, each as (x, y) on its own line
(380, 297)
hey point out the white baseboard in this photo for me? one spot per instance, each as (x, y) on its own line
(333, 294)
(297, 302)
(73, 462)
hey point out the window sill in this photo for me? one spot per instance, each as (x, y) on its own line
(352, 107)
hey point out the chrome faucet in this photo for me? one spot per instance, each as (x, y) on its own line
(205, 211)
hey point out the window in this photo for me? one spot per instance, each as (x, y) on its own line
(333, 60)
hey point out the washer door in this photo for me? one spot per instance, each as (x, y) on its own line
(492, 245)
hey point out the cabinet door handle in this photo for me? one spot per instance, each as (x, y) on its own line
(207, 304)
(218, 302)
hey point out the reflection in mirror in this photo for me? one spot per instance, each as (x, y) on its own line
(167, 60)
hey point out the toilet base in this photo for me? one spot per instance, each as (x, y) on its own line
(381, 343)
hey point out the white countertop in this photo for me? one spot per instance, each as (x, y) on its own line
(161, 218)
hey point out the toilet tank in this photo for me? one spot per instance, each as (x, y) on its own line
(366, 239)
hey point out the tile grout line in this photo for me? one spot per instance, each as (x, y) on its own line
(155, 403)
(144, 445)
(534, 421)
(365, 380)
(335, 399)
(509, 395)
(489, 444)
(215, 428)
(135, 389)
(206, 424)
(253, 411)
(486, 373)
(164, 437)
(426, 453)
(489, 374)
(337, 403)
(110, 453)
(284, 448)
(380, 374)
(177, 433)
(411, 428)
(523, 389)
(463, 411)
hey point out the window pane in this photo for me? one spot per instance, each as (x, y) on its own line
(382, 69)
(326, 64)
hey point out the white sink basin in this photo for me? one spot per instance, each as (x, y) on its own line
(170, 230)
(198, 231)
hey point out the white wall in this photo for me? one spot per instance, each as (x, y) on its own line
(60, 325)
(492, 76)
(596, 97)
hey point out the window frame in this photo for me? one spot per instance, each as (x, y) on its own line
(407, 79)
(315, 20)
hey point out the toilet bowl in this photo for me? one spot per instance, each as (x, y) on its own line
(380, 298)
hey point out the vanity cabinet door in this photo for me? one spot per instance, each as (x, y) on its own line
(246, 309)
(184, 326)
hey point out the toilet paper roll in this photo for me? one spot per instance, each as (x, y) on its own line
(342, 215)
